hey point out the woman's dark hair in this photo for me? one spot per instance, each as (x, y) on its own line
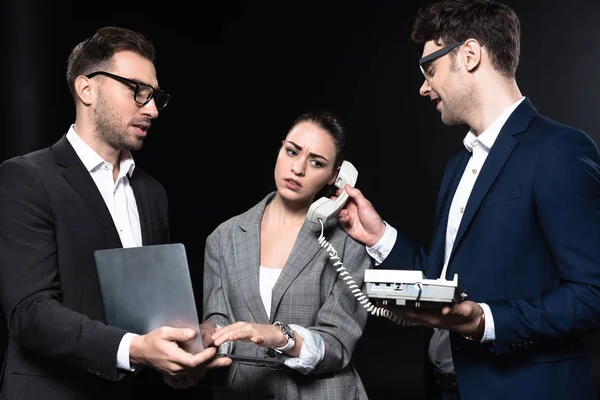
(327, 121)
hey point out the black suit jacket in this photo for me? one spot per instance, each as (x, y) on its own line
(52, 219)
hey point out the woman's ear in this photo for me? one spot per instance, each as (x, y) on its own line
(334, 175)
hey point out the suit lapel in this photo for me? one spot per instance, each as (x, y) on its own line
(449, 185)
(140, 193)
(79, 178)
(494, 163)
(304, 251)
(246, 245)
(247, 260)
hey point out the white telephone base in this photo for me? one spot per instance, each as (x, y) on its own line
(410, 288)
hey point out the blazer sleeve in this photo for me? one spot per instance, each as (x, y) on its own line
(408, 255)
(30, 288)
(404, 255)
(215, 305)
(566, 185)
(342, 318)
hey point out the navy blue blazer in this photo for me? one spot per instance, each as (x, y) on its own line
(529, 246)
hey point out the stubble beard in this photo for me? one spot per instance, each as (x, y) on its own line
(455, 109)
(450, 116)
(110, 131)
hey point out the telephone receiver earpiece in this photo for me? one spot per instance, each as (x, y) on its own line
(324, 208)
(346, 175)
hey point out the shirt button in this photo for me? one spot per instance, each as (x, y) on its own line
(474, 171)
(462, 210)
(105, 166)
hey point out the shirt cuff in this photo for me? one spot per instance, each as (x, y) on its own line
(123, 352)
(311, 353)
(489, 334)
(384, 246)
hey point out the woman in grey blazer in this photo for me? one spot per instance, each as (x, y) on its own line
(269, 283)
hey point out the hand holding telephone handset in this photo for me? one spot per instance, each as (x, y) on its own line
(399, 286)
(325, 208)
(321, 211)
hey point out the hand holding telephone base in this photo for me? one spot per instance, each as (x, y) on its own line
(360, 296)
(405, 290)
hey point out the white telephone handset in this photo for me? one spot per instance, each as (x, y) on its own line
(322, 210)
(400, 286)
(325, 208)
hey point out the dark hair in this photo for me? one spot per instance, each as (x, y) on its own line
(95, 53)
(494, 25)
(327, 121)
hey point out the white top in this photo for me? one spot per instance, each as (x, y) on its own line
(268, 277)
(313, 347)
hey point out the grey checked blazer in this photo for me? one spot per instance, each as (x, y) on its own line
(308, 293)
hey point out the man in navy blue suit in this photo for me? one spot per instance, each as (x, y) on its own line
(517, 218)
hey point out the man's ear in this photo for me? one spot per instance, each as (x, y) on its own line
(84, 89)
(472, 52)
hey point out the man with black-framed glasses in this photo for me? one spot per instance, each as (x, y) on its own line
(61, 204)
(142, 93)
(517, 219)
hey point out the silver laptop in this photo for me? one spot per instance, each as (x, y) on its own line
(144, 288)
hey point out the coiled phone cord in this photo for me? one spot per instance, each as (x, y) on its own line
(360, 296)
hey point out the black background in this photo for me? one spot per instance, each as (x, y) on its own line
(241, 71)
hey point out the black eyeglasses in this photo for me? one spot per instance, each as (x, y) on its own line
(143, 93)
(435, 55)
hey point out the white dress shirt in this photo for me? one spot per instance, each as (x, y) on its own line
(120, 201)
(313, 347)
(440, 352)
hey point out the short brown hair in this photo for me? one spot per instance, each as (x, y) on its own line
(96, 51)
(495, 25)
